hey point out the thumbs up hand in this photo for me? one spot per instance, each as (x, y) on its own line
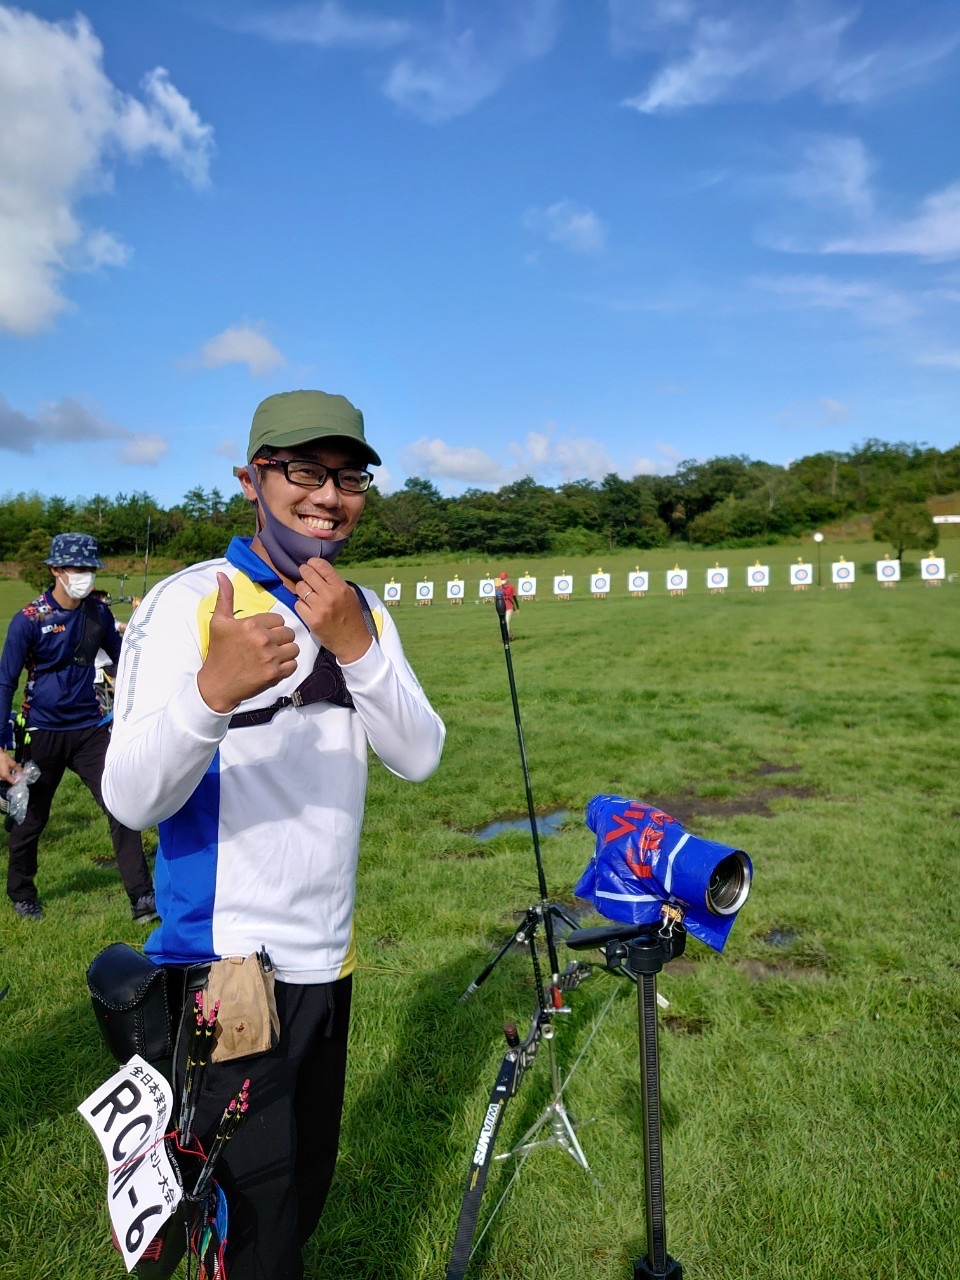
(245, 655)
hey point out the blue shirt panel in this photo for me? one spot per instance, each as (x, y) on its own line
(185, 877)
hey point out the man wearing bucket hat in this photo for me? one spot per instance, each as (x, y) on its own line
(249, 691)
(56, 638)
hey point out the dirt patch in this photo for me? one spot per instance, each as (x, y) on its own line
(688, 808)
(462, 855)
(684, 1026)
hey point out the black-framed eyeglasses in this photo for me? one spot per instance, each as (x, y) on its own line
(311, 475)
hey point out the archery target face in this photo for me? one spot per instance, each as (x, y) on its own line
(599, 582)
(455, 590)
(676, 579)
(717, 579)
(527, 586)
(488, 588)
(758, 575)
(888, 570)
(562, 585)
(843, 572)
(424, 590)
(801, 575)
(639, 581)
(933, 567)
(392, 591)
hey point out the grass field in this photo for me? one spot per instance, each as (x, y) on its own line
(809, 1073)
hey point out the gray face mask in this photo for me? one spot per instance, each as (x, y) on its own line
(287, 549)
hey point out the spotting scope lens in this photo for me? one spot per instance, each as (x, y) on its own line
(729, 885)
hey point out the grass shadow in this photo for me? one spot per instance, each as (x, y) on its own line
(403, 1142)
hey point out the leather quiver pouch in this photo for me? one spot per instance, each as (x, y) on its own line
(247, 1020)
(131, 1003)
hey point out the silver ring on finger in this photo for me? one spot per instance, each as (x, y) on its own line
(309, 592)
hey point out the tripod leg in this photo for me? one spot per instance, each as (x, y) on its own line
(523, 934)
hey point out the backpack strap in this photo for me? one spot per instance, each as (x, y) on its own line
(91, 641)
(325, 683)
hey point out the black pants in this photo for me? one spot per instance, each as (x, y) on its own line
(276, 1169)
(53, 752)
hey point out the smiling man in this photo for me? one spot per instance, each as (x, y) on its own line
(248, 692)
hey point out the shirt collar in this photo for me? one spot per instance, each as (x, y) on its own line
(241, 555)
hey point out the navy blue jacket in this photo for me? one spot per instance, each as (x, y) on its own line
(44, 639)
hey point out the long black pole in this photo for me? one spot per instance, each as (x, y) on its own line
(645, 956)
(541, 878)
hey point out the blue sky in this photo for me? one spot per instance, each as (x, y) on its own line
(541, 237)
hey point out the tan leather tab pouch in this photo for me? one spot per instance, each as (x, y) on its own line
(247, 1020)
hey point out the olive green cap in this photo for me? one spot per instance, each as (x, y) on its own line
(296, 417)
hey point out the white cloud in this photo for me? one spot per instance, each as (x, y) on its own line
(578, 457)
(665, 464)
(450, 70)
(550, 456)
(834, 410)
(822, 414)
(834, 173)
(165, 123)
(766, 53)
(105, 250)
(933, 233)
(835, 177)
(436, 458)
(569, 225)
(241, 344)
(437, 71)
(871, 303)
(68, 422)
(743, 57)
(325, 25)
(143, 450)
(64, 123)
(942, 359)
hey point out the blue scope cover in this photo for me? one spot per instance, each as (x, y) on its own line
(644, 858)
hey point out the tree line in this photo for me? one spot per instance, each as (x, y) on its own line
(725, 501)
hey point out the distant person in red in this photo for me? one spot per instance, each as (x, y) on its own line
(506, 587)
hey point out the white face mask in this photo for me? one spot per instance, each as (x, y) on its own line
(78, 585)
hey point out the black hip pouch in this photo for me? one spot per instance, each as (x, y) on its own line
(131, 1002)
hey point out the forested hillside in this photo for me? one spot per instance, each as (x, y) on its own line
(724, 501)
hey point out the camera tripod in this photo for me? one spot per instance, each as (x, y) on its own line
(645, 949)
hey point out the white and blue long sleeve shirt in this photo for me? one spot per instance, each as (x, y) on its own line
(259, 826)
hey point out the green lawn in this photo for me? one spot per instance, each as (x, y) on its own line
(809, 1073)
